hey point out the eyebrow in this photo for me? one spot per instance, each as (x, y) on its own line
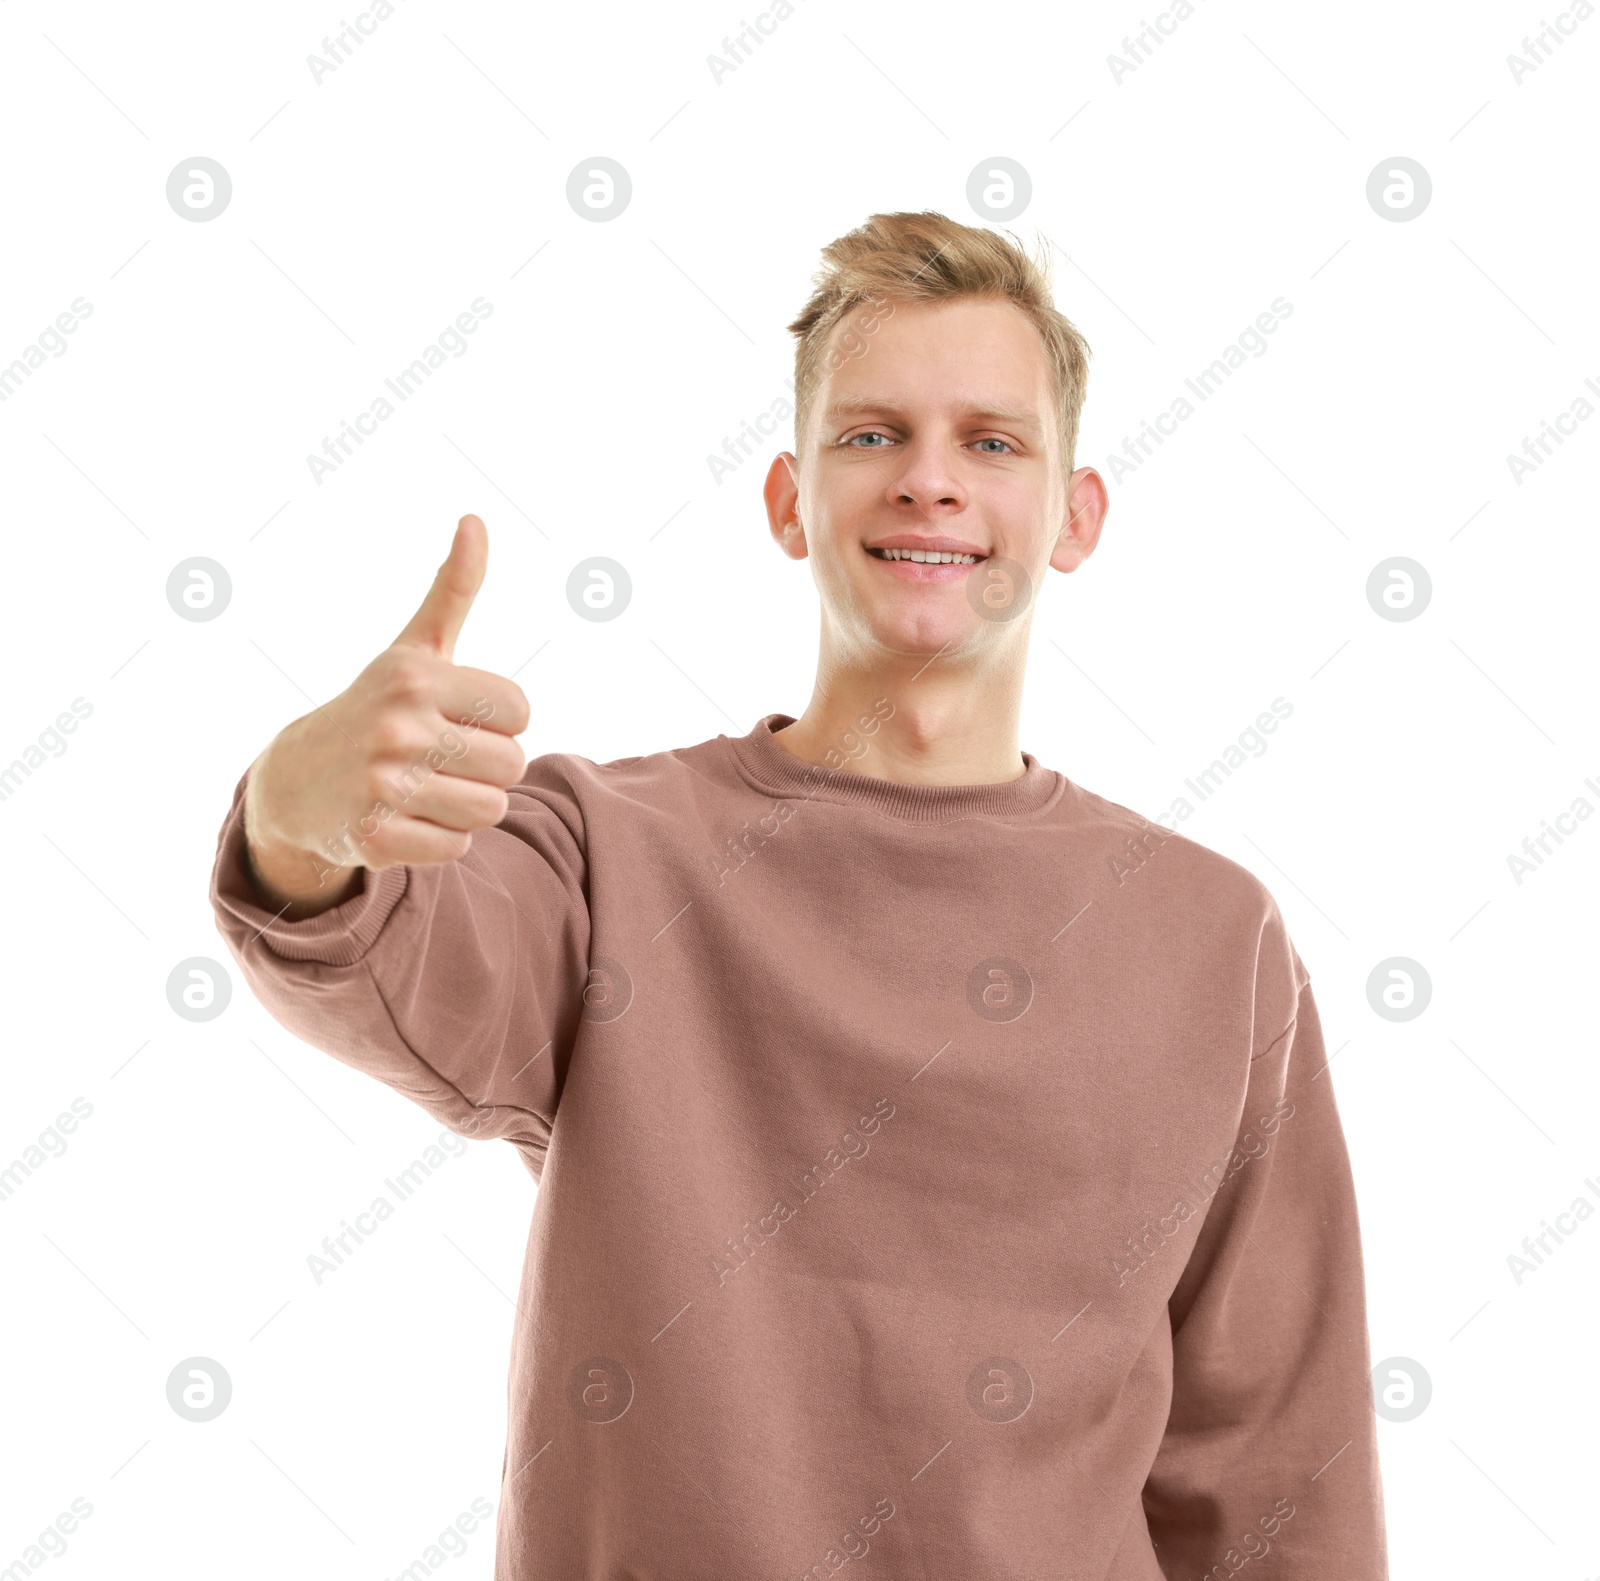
(856, 405)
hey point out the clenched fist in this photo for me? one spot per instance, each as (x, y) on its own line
(402, 766)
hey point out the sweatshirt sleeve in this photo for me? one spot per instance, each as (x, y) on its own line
(458, 984)
(1271, 1443)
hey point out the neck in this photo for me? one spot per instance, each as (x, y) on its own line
(913, 720)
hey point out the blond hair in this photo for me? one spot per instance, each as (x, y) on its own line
(928, 257)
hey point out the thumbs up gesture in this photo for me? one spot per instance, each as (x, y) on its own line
(402, 766)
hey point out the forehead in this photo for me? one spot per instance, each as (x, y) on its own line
(967, 353)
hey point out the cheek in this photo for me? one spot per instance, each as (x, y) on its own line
(1019, 526)
(838, 517)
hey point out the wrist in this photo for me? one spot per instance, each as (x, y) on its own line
(290, 877)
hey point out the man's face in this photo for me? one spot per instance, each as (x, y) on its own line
(934, 426)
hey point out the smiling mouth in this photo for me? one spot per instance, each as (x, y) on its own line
(926, 556)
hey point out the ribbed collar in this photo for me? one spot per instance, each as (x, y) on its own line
(771, 767)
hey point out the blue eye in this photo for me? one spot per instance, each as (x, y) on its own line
(855, 437)
(994, 442)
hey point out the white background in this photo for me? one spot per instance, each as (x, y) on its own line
(371, 208)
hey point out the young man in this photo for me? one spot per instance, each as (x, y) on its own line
(938, 1164)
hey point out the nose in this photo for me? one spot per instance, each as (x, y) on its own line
(924, 479)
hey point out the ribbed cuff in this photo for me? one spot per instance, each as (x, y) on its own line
(339, 936)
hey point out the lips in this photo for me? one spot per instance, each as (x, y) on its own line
(953, 569)
(926, 544)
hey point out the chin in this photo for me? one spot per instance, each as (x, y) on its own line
(923, 632)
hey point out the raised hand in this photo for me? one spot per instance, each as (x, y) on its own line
(401, 766)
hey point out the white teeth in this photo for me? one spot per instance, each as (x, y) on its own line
(928, 557)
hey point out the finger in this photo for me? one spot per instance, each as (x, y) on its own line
(452, 803)
(464, 693)
(456, 750)
(441, 615)
(402, 838)
(477, 755)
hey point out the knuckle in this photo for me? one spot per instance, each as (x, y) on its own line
(374, 790)
(407, 678)
(476, 807)
(393, 733)
(378, 849)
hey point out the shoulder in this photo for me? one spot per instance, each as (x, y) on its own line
(1186, 862)
(1192, 892)
(1210, 920)
(647, 780)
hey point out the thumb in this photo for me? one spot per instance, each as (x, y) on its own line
(441, 615)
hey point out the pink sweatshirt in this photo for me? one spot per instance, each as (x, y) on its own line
(942, 1178)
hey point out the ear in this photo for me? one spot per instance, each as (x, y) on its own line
(781, 491)
(1087, 504)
